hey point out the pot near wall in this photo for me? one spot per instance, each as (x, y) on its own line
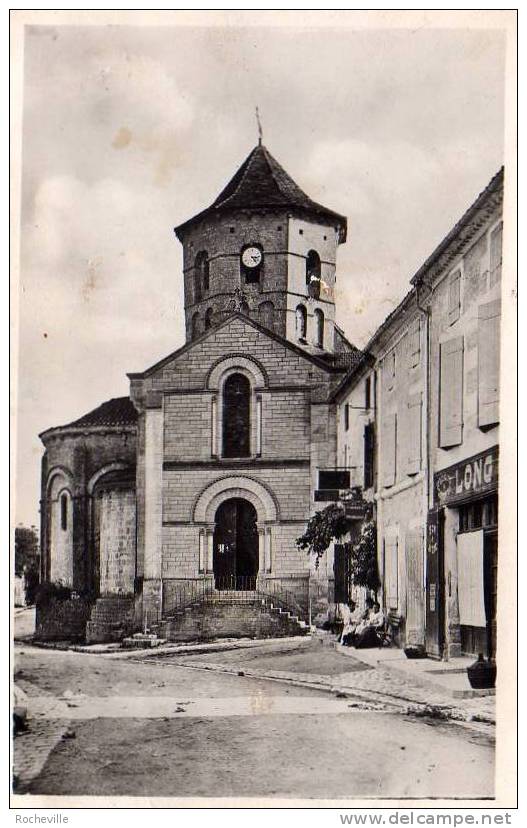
(482, 673)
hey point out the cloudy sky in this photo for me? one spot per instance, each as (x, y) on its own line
(128, 131)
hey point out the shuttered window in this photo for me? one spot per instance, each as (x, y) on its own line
(413, 434)
(389, 449)
(496, 238)
(451, 393)
(388, 371)
(454, 297)
(489, 363)
(414, 344)
(391, 568)
(369, 454)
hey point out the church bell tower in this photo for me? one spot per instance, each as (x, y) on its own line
(265, 249)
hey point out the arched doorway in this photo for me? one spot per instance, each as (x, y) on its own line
(235, 560)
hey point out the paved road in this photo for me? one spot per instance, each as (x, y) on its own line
(104, 726)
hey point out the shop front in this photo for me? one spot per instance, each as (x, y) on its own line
(462, 558)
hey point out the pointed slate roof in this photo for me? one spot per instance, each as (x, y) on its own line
(261, 183)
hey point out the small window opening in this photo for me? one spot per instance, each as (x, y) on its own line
(319, 328)
(301, 322)
(313, 274)
(64, 512)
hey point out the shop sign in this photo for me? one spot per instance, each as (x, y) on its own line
(477, 475)
(355, 508)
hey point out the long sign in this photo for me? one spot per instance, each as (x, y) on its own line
(474, 476)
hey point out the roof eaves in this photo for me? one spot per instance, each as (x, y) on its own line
(466, 218)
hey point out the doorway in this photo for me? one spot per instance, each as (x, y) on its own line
(235, 560)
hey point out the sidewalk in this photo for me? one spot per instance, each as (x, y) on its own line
(448, 677)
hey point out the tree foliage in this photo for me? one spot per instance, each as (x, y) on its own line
(26, 548)
(27, 559)
(365, 571)
(330, 523)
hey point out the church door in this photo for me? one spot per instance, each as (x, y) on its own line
(235, 545)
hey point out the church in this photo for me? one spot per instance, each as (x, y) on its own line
(177, 509)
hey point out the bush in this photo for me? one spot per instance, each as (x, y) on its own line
(53, 590)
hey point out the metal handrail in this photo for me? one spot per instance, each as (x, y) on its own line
(237, 587)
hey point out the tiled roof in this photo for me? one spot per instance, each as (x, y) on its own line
(261, 182)
(348, 359)
(118, 411)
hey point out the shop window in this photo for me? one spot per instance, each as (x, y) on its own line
(313, 274)
(236, 416)
(319, 328)
(481, 514)
(301, 322)
(64, 512)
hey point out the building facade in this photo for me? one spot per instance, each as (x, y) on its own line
(213, 481)
(205, 477)
(424, 447)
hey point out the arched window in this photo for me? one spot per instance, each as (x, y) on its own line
(236, 416)
(313, 274)
(64, 512)
(201, 275)
(209, 315)
(319, 328)
(301, 321)
(266, 315)
(195, 326)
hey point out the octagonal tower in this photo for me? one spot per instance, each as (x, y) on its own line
(266, 249)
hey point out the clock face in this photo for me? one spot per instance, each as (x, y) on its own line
(252, 257)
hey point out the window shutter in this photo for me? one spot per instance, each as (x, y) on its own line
(489, 364)
(414, 345)
(389, 446)
(496, 238)
(391, 563)
(369, 454)
(388, 371)
(451, 393)
(454, 297)
(413, 457)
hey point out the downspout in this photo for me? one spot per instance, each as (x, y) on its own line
(427, 477)
(428, 378)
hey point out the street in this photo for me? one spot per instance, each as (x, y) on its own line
(182, 726)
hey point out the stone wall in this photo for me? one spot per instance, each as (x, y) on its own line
(227, 621)
(62, 620)
(117, 542)
(77, 457)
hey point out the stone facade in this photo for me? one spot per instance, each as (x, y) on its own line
(209, 472)
(433, 374)
(157, 501)
(188, 478)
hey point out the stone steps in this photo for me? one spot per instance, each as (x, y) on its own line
(231, 615)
